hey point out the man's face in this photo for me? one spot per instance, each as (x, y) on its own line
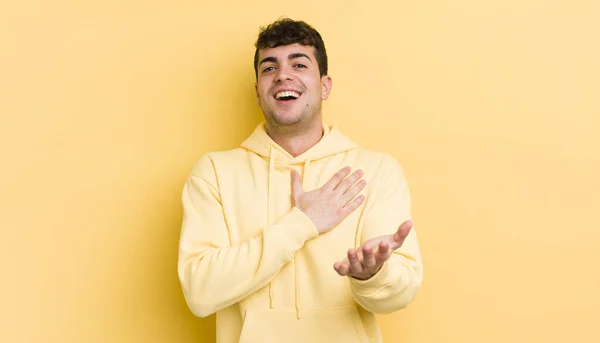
(289, 87)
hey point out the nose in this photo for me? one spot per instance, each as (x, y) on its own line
(283, 74)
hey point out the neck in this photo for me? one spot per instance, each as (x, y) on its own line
(296, 139)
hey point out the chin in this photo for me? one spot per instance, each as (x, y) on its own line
(286, 119)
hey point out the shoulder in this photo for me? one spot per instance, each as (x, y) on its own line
(208, 164)
(383, 170)
(379, 161)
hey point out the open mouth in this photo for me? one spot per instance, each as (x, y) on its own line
(287, 96)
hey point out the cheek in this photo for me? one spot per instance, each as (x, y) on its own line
(262, 93)
(262, 88)
(316, 86)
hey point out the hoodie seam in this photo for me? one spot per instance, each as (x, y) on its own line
(209, 185)
(372, 294)
(217, 190)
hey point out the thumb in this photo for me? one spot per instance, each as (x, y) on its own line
(400, 235)
(297, 189)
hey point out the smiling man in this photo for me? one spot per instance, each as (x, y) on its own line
(298, 235)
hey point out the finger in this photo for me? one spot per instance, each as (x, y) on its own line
(348, 182)
(352, 192)
(345, 268)
(368, 257)
(341, 268)
(337, 268)
(383, 252)
(355, 265)
(296, 185)
(336, 178)
(353, 205)
(400, 235)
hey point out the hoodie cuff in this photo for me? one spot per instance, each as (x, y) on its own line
(295, 229)
(385, 277)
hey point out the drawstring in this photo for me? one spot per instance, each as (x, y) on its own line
(269, 212)
(296, 280)
(269, 217)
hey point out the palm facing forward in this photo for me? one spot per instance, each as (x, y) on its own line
(367, 260)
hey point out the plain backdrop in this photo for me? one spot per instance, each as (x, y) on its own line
(492, 107)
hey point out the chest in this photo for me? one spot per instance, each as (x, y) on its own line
(256, 197)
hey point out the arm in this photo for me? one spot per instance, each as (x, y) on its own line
(214, 274)
(395, 285)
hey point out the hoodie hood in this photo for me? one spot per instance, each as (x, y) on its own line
(333, 142)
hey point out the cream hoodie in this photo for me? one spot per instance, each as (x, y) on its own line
(257, 262)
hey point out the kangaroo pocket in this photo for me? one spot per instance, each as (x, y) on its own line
(322, 325)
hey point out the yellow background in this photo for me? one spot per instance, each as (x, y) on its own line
(491, 106)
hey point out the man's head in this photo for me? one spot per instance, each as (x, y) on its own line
(290, 64)
(287, 31)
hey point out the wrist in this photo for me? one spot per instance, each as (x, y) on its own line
(316, 223)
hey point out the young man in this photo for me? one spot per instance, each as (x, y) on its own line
(298, 235)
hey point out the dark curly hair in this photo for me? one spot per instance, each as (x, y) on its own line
(286, 31)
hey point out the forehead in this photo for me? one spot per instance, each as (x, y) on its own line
(283, 51)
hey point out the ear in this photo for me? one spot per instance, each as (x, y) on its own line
(256, 92)
(326, 84)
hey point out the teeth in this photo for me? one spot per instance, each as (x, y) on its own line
(286, 94)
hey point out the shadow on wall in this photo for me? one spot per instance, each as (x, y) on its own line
(223, 113)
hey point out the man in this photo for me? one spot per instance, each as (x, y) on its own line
(298, 235)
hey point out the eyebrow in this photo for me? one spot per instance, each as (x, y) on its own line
(298, 55)
(291, 57)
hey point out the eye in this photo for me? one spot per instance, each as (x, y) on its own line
(299, 65)
(268, 69)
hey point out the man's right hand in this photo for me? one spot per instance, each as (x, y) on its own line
(329, 205)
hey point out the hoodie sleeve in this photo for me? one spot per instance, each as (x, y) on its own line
(396, 284)
(214, 274)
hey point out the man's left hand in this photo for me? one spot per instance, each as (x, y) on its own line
(367, 260)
